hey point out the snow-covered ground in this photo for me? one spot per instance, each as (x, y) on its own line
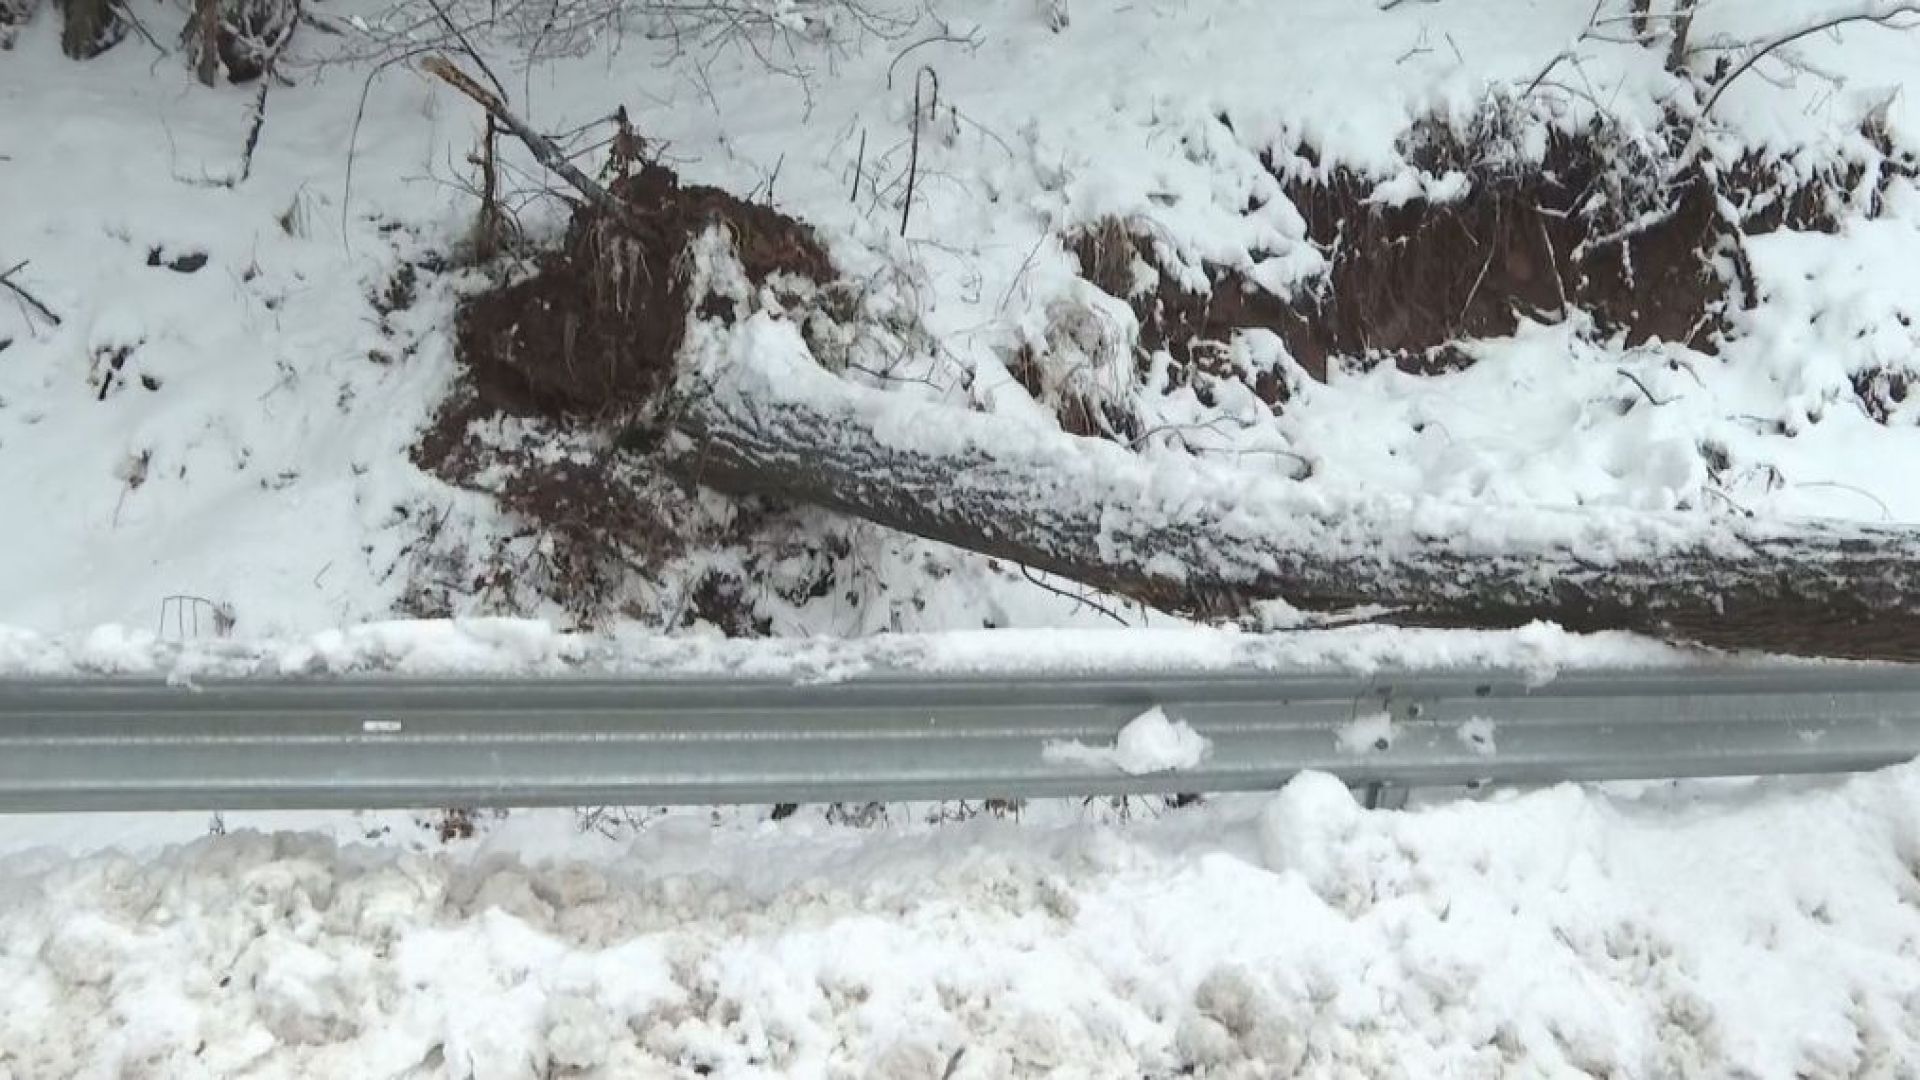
(529, 647)
(1765, 929)
(204, 468)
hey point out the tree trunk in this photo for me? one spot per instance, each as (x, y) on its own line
(91, 28)
(1643, 20)
(203, 41)
(1185, 539)
(1682, 31)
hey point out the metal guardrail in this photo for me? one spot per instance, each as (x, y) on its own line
(395, 742)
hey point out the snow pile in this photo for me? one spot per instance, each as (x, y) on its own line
(1760, 929)
(528, 647)
(1149, 743)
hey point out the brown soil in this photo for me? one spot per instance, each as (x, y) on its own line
(1409, 284)
(599, 327)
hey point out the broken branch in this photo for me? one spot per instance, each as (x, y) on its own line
(544, 150)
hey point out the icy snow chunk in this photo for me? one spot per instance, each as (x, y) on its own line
(1299, 825)
(1367, 734)
(86, 949)
(579, 1031)
(300, 994)
(1150, 743)
(1236, 1022)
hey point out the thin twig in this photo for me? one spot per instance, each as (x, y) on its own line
(1635, 380)
(1873, 14)
(1886, 513)
(1553, 263)
(126, 12)
(353, 136)
(935, 39)
(1027, 573)
(20, 290)
(544, 149)
(1474, 292)
(859, 165)
(913, 158)
(1564, 54)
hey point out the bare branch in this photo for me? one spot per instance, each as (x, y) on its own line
(545, 150)
(1877, 11)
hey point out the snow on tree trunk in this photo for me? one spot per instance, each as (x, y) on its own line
(757, 417)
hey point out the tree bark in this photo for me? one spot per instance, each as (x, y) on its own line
(1211, 545)
(91, 27)
(203, 41)
(1642, 20)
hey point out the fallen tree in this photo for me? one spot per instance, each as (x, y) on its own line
(730, 397)
(754, 416)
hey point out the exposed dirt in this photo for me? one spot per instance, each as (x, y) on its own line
(1193, 327)
(1591, 227)
(588, 520)
(598, 327)
(1408, 281)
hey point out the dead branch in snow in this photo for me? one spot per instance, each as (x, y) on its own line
(31, 300)
(545, 150)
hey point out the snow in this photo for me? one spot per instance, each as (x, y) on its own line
(1758, 928)
(524, 647)
(1149, 743)
(233, 440)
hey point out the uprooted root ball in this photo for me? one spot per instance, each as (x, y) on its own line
(598, 328)
(574, 354)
